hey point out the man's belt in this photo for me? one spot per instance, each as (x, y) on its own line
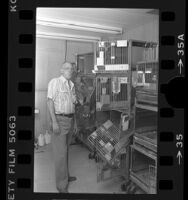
(66, 115)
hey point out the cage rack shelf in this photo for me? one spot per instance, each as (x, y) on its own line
(111, 149)
(147, 107)
(106, 139)
(143, 151)
(147, 61)
(147, 80)
(145, 173)
(143, 154)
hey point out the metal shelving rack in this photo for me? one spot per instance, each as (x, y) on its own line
(85, 87)
(131, 53)
(145, 142)
(143, 164)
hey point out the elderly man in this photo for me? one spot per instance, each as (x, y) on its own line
(61, 104)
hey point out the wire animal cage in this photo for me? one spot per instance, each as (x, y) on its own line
(112, 52)
(147, 74)
(143, 168)
(147, 77)
(152, 182)
(85, 91)
(106, 171)
(111, 150)
(85, 112)
(112, 91)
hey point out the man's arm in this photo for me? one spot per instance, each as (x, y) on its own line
(51, 109)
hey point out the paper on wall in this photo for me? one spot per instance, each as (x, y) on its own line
(121, 43)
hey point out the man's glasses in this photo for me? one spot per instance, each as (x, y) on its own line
(68, 69)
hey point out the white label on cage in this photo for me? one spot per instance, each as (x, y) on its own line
(115, 85)
(101, 143)
(100, 61)
(148, 72)
(109, 147)
(117, 67)
(123, 79)
(94, 134)
(104, 79)
(101, 44)
(95, 68)
(140, 72)
(103, 90)
(107, 124)
(107, 156)
(101, 54)
(121, 43)
(99, 105)
(113, 43)
(112, 57)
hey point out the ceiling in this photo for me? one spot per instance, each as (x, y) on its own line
(122, 18)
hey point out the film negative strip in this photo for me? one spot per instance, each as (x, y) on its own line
(27, 167)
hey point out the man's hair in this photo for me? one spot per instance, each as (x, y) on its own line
(65, 63)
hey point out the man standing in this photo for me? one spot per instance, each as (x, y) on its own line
(61, 101)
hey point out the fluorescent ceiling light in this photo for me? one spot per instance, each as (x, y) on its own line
(78, 25)
(52, 35)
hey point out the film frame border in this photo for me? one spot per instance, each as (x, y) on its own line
(21, 98)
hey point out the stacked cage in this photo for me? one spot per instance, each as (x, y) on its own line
(112, 55)
(112, 91)
(111, 150)
(112, 75)
(147, 76)
(85, 112)
(143, 168)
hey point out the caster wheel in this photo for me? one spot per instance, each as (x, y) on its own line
(134, 190)
(96, 159)
(90, 156)
(129, 189)
(123, 187)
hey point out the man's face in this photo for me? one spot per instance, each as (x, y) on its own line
(67, 71)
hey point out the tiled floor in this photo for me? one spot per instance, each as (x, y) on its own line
(80, 166)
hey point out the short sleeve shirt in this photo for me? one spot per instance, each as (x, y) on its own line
(62, 92)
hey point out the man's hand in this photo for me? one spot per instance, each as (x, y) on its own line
(55, 128)
(75, 130)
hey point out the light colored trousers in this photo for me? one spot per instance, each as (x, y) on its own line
(60, 148)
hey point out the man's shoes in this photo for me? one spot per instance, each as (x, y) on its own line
(72, 178)
(65, 190)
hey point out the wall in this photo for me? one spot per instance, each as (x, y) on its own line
(146, 32)
(50, 54)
